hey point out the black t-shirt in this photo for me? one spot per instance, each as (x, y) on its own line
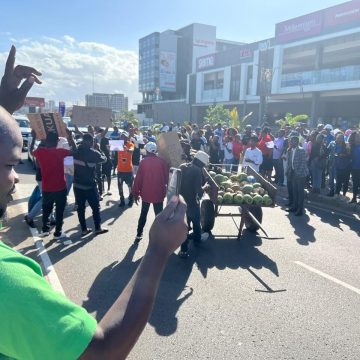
(196, 144)
(104, 143)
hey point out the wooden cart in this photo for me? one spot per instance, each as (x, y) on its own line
(250, 215)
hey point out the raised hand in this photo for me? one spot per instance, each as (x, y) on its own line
(169, 229)
(12, 96)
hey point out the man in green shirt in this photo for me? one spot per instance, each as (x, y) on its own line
(36, 322)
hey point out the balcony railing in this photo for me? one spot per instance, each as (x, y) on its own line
(344, 73)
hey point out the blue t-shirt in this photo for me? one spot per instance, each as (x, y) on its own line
(356, 157)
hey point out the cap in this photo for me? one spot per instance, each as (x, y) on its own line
(203, 157)
(150, 147)
(328, 127)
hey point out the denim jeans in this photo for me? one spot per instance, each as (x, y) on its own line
(158, 207)
(48, 200)
(69, 180)
(332, 177)
(92, 197)
(229, 163)
(316, 172)
(193, 218)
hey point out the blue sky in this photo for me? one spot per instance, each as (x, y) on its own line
(99, 31)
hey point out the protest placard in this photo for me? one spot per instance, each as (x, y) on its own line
(46, 123)
(89, 115)
(116, 145)
(169, 148)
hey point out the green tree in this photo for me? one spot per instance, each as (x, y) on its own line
(217, 114)
(234, 118)
(292, 120)
(130, 117)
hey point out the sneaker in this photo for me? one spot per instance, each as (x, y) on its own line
(44, 233)
(85, 232)
(138, 238)
(183, 254)
(101, 231)
(122, 203)
(109, 193)
(29, 222)
(62, 235)
(101, 198)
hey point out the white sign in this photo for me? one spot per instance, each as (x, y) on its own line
(116, 145)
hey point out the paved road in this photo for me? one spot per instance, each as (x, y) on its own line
(295, 296)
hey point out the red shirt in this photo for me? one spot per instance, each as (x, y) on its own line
(262, 145)
(151, 179)
(51, 161)
(237, 149)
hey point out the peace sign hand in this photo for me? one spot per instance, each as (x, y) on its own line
(12, 96)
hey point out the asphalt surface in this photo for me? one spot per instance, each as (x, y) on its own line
(257, 298)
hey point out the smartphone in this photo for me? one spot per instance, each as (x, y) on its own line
(174, 183)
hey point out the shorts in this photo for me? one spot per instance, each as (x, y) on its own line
(106, 167)
(126, 177)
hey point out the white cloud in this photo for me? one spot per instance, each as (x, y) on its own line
(69, 66)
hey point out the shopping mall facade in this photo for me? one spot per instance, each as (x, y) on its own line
(311, 66)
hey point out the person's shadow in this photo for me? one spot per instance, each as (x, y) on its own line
(109, 284)
(304, 231)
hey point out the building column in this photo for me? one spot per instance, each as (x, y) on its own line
(315, 96)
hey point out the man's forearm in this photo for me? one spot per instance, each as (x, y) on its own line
(123, 323)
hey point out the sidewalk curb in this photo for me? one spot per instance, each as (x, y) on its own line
(329, 202)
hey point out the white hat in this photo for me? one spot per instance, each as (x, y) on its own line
(203, 157)
(328, 127)
(150, 147)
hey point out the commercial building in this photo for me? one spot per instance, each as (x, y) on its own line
(165, 60)
(311, 66)
(116, 102)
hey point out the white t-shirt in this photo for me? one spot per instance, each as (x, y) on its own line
(256, 156)
(228, 151)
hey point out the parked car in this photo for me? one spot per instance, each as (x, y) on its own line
(24, 125)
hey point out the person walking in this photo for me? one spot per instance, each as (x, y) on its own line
(85, 160)
(192, 189)
(297, 171)
(106, 166)
(150, 185)
(125, 169)
(51, 162)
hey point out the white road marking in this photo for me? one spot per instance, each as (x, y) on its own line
(47, 264)
(329, 277)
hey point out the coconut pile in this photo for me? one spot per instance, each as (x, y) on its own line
(240, 189)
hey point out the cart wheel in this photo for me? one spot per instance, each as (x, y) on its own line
(258, 214)
(207, 215)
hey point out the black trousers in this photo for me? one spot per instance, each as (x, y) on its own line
(342, 180)
(99, 178)
(298, 184)
(92, 197)
(48, 200)
(158, 207)
(279, 171)
(355, 174)
(290, 190)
